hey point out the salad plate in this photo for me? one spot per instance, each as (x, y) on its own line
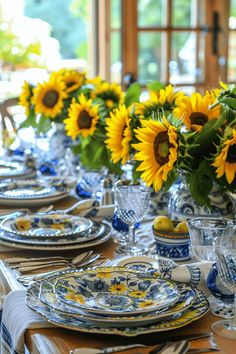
(29, 193)
(48, 297)
(115, 291)
(96, 231)
(198, 309)
(46, 225)
(13, 169)
(56, 246)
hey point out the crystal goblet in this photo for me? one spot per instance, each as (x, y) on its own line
(131, 201)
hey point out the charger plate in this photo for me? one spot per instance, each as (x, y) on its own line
(193, 313)
(115, 291)
(63, 246)
(13, 169)
(48, 297)
(46, 225)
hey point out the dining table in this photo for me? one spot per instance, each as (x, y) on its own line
(59, 340)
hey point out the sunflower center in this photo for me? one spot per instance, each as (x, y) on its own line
(198, 118)
(162, 148)
(231, 156)
(84, 120)
(109, 103)
(70, 84)
(50, 98)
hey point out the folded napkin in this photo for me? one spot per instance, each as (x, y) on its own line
(16, 319)
(91, 208)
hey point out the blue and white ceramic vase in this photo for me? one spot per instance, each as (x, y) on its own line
(181, 205)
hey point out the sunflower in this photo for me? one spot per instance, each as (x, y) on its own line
(225, 161)
(157, 151)
(111, 94)
(96, 81)
(217, 91)
(48, 97)
(195, 110)
(164, 99)
(73, 80)
(83, 117)
(25, 97)
(119, 134)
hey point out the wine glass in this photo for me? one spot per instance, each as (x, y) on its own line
(225, 251)
(203, 233)
(131, 201)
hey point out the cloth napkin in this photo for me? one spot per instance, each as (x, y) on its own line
(91, 208)
(16, 318)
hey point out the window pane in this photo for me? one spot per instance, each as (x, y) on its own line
(116, 14)
(150, 56)
(231, 59)
(182, 65)
(152, 13)
(183, 13)
(232, 14)
(116, 65)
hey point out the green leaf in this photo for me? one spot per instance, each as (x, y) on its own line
(229, 101)
(30, 121)
(155, 86)
(44, 124)
(132, 94)
(171, 178)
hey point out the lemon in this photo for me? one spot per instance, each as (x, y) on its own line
(163, 223)
(182, 227)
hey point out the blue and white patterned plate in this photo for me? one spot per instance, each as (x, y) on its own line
(115, 291)
(15, 169)
(29, 193)
(47, 225)
(47, 296)
(193, 313)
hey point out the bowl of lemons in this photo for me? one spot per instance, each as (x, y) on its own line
(172, 238)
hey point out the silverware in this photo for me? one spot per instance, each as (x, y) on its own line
(203, 350)
(17, 260)
(173, 348)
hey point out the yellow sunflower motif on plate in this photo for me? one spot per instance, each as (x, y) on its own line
(25, 97)
(225, 161)
(73, 80)
(138, 293)
(195, 110)
(164, 99)
(157, 151)
(111, 94)
(48, 97)
(82, 118)
(75, 297)
(146, 303)
(118, 288)
(119, 134)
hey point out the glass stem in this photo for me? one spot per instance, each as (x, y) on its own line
(233, 324)
(133, 235)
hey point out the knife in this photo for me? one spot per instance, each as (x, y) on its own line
(173, 348)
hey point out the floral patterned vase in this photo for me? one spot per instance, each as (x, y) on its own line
(181, 206)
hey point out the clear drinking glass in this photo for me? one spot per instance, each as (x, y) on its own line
(204, 231)
(131, 201)
(225, 251)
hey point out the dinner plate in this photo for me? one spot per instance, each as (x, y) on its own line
(29, 193)
(13, 170)
(47, 296)
(115, 291)
(97, 230)
(46, 225)
(193, 313)
(44, 246)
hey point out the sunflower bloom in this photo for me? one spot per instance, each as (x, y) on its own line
(111, 94)
(119, 134)
(25, 97)
(73, 80)
(83, 117)
(48, 97)
(225, 161)
(164, 99)
(195, 110)
(157, 151)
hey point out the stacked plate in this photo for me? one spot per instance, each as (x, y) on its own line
(52, 232)
(13, 169)
(29, 193)
(115, 300)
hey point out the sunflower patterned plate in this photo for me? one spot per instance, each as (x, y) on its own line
(115, 291)
(30, 192)
(187, 298)
(55, 225)
(193, 313)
